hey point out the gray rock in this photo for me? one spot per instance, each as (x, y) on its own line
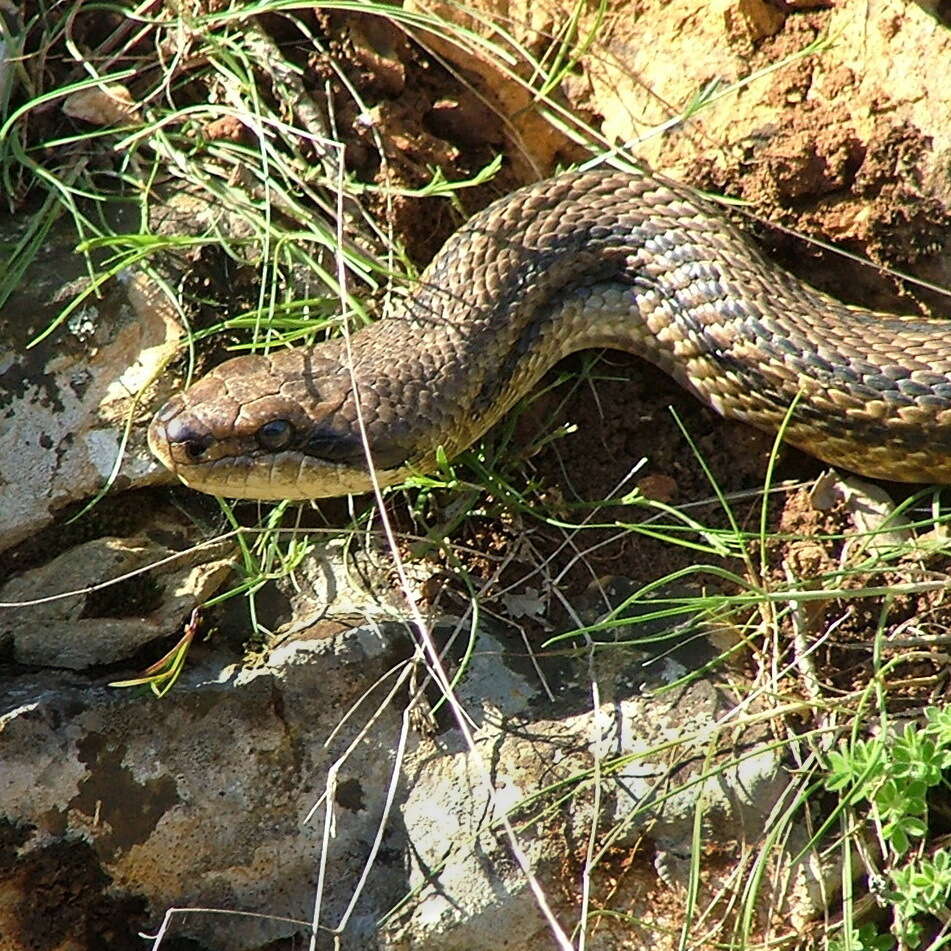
(215, 796)
(72, 617)
(66, 402)
(201, 799)
(656, 771)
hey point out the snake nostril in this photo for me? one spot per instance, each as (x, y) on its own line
(195, 448)
(183, 434)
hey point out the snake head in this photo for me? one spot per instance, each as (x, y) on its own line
(281, 426)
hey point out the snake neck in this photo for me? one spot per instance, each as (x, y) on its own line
(522, 284)
(621, 260)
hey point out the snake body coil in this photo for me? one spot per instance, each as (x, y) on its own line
(587, 259)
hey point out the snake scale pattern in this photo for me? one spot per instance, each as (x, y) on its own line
(598, 258)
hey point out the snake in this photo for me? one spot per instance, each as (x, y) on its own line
(592, 258)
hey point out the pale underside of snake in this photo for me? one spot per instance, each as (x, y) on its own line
(598, 258)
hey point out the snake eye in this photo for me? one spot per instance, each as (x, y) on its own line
(275, 435)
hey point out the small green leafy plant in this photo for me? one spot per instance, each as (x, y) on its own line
(893, 774)
(866, 938)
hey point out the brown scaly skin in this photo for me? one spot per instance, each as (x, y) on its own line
(586, 259)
